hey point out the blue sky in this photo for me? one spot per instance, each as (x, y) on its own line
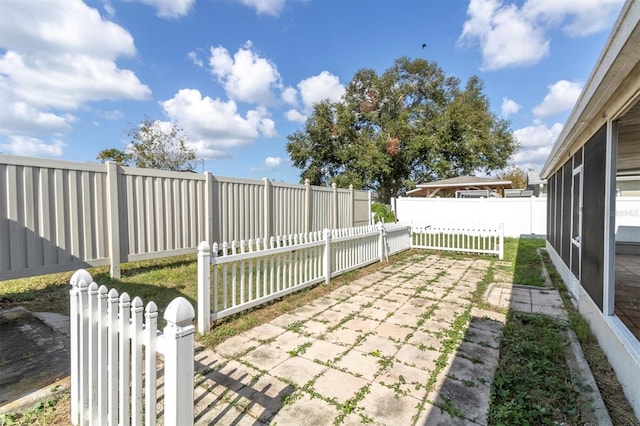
(240, 75)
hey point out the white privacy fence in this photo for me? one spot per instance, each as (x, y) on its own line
(114, 349)
(61, 215)
(519, 216)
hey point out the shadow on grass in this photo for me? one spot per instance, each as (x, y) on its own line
(159, 281)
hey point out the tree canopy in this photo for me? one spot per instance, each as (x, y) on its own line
(408, 125)
(517, 176)
(154, 146)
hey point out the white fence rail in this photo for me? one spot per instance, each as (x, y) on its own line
(465, 240)
(114, 348)
(60, 215)
(238, 276)
(520, 216)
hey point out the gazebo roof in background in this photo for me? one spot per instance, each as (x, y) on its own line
(429, 189)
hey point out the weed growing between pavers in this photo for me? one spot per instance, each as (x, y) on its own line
(532, 384)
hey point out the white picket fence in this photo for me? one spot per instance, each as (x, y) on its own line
(465, 240)
(114, 349)
(238, 276)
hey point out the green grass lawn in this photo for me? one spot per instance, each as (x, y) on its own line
(523, 261)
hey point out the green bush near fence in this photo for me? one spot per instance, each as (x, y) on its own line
(382, 213)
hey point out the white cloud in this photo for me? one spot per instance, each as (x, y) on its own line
(506, 36)
(290, 95)
(562, 96)
(578, 17)
(265, 7)
(295, 116)
(20, 118)
(512, 36)
(320, 87)
(61, 27)
(272, 163)
(57, 56)
(214, 126)
(67, 81)
(246, 76)
(536, 143)
(509, 106)
(193, 56)
(29, 146)
(169, 8)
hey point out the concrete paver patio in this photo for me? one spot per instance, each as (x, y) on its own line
(401, 346)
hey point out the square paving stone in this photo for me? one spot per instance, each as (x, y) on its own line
(229, 377)
(265, 397)
(323, 351)
(315, 328)
(423, 339)
(359, 324)
(392, 331)
(464, 370)
(343, 336)
(339, 385)
(359, 364)
(424, 359)
(306, 411)
(385, 407)
(265, 357)
(288, 320)
(473, 404)
(410, 380)
(375, 343)
(289, 341)
(374, 314)
(330, 317)
(404, 320)
(263, 332)
(297, 370)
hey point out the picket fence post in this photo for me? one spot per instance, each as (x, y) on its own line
(178, 338)
(381, 241)
(501, 232)
(307, 206)
(113, 219)
(79, 280)
(334, 207)
(326, 233)
(204, 287)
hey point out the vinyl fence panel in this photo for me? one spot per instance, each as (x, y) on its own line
(520, 216)
(52, 216)
(61, 215)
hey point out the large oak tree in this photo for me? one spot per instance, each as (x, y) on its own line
(391, 131)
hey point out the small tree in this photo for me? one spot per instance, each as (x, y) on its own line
(115, 155)
(517, 176)
(154, 146)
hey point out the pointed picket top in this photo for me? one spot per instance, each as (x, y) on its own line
(137, 304)
(151, 310)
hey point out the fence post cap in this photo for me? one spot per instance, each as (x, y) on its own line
(80, 275)
(179, 312)
(326, 232)
(203, 246)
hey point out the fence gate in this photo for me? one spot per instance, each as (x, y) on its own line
(114, 347)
